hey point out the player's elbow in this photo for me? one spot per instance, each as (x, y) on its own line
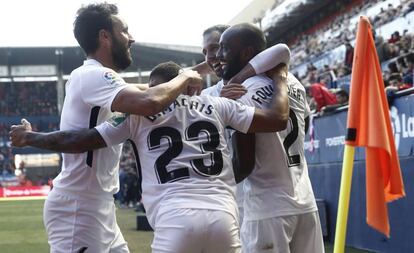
(153, 106)
(284, 53)
(135, 101)
(280, 122)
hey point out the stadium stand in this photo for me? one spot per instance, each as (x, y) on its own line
(32, 86)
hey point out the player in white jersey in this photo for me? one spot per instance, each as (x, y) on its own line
(79, 213)
(187, 177)
(243, 162)
(280, 210)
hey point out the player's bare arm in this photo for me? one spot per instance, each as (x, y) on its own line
(244, 151)
(148, 102)
(274, 118)
(59, 141)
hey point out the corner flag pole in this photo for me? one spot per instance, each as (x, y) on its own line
(344, 195)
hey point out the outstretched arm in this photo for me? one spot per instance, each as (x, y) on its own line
(59, 141)
(134, 100)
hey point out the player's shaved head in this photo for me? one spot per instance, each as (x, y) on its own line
(249, 36)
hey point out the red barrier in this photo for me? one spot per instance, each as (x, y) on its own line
(24, 191)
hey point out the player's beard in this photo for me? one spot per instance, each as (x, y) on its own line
(233, 67)
(121, 55)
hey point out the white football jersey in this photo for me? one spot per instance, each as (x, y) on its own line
(279, 184)
(90, 91)
(182, 152)
(213, 90)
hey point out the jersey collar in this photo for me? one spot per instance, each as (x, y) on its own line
(91, 62)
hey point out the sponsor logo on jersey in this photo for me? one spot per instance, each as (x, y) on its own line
(118, 118)
(112, 78)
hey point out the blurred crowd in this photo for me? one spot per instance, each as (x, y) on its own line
(28, 99)
(342, 30)
(129, 195)
(328, 86)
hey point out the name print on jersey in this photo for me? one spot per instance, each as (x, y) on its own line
(184, 102)
(294, 92)
(263, 95)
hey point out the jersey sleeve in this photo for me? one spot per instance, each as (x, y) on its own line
(270, 58)
(234, 114)
(116, 130)
(101, 87)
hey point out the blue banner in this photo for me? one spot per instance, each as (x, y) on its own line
(327, 144)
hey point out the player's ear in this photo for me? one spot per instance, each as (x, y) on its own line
(247, 54)
(104, 37)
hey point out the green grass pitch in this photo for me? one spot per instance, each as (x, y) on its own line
(22, 231)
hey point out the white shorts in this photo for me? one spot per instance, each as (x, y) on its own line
(196, 231)
(294, 234)
(76, 226)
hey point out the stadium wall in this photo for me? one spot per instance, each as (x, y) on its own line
(324, 155)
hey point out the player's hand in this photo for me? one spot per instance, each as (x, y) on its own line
(194, 82)
(233, 91)
(18, 133)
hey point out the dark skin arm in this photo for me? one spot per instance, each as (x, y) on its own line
(60, 141)
(244, 144)
(243, 155)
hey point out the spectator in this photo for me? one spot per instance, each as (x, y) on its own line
(409, 74)
(395, 83)
(321, 96)
(342, 98)
(384, 50)
(392, 67)
(349, 55)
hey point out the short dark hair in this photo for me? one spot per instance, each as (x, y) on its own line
(342, 92)
(216, 28)
(89, 21)
(252, 36)
(395, 76)
(166, 70)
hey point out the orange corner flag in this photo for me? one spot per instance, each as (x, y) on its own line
(369, 126)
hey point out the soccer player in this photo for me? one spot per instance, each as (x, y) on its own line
(79, 213)
(280, 213)
(243, 158)
(186, 170)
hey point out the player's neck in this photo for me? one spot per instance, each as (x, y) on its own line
(104, 58)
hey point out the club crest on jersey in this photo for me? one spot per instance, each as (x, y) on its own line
(118, 118)
(112, 78)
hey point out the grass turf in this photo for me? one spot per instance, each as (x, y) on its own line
(22, 231)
